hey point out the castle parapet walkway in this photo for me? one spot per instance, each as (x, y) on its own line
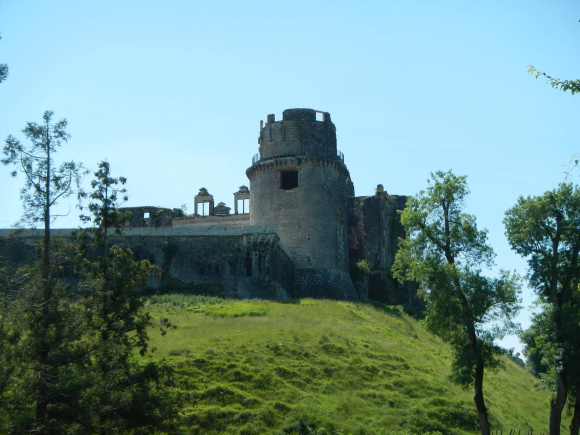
(306, 149)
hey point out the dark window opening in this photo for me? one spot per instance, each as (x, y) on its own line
(289, 180)
(248, 265)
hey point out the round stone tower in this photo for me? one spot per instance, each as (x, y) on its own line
(300, 184)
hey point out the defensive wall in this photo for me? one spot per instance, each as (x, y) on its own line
(375, 231)
(246, 262)
(232, 220)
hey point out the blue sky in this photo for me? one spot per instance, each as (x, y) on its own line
(172, 92)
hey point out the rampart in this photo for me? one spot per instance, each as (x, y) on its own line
(246, 262)
(231, 220)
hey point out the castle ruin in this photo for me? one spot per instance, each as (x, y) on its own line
(297, 231)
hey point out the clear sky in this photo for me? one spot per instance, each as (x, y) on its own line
(172, 92)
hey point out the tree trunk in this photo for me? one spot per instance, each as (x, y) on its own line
(47, 211)
(557, 405)
(41, 350)
(575, 424)
(479, 402)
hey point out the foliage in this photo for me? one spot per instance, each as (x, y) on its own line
(538, 348)
(43, 334)
(44, 183)
(444, 251)
(104, 208)
(115, 315)
(325, 367)
(546, 230)
(3, 71)
(42, 349)
(565, 85)
(70, 359)
(359, 270)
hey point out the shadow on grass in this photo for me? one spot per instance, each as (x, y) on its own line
(396, 310)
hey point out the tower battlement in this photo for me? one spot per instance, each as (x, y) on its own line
(298, 133)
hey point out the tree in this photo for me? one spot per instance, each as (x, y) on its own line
(42, 299)
(3, 70)
(565, 85)
(124, 394)
(104, 211)
(546, 230)
(444, 252)
(44, 184)
(69, 362)
(538, 348)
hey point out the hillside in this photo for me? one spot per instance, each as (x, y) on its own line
(324, 367)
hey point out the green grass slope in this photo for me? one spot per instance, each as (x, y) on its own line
(324, 367)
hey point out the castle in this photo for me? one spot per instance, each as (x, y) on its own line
(297, 231)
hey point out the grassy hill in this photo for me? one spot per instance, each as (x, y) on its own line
(325, 367)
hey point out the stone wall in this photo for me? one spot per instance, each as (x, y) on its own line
(374, 231)
(247, 262)
(311, 218)
(149, 216)
(232, 220)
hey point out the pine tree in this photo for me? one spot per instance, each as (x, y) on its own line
(125, 393)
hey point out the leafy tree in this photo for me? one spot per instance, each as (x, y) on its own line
(3, 71)
(538, 347)
(444, 252)
(546, 230)
(41, 344)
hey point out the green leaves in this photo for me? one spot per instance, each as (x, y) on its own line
(546, 230)
(117, 321)
(107, 198)
(3, 70)
(44, 182)
(444, 253)
(565, 85)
